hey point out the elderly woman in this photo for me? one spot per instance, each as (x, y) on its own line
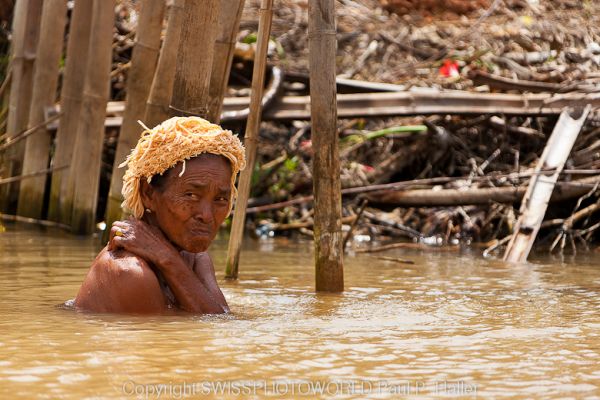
(179, 187)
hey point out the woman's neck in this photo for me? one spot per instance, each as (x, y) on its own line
(150, 219)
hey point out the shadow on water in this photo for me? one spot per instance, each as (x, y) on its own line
(423, 328)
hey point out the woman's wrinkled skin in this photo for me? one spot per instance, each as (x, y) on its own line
(182, 217)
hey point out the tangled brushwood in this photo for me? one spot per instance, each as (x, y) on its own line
(447, 179)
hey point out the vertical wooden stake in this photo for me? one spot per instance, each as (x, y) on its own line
(70, 102)
(87, 152)
(326, 164)
(195, 58)
(536, 198)
(26, 28)
(157, 106)
(37, 146)
(250, 138)
(143, 65)
(229, 24)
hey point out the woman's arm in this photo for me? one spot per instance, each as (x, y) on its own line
(205, 270)
(150, 244)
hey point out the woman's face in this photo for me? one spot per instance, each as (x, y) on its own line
(189, 209)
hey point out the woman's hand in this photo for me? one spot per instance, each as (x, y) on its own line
(141, 239)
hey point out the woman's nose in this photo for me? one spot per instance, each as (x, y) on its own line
(203, 212)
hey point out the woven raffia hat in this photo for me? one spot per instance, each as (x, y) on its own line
(176, 140)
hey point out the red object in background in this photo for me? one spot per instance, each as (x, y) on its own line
(367, 168)
(449, 69)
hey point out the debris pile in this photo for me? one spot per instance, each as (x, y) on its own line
(445, 179)
(461, 178)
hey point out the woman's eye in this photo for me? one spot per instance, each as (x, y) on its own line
(191, 195)
(222, 199)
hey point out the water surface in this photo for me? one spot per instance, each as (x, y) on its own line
(443, 324)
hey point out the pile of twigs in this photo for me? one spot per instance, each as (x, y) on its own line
(472, 171)
(554, 41)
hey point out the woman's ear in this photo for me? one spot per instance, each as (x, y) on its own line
(148, 194)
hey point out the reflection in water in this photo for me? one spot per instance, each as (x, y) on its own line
(424, 328)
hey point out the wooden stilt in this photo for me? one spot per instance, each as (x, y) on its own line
(230, 16)
(70, 102)
(26, 28)
(37, 146)
(195, 58)
(143, 65)
(541, 186)
(326, 165)
(250, 138)
(157, 106)
(87, 152)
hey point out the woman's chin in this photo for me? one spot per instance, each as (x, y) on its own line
(196, 245)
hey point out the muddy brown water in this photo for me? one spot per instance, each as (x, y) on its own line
(448, 325)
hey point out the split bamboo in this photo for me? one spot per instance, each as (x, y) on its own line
(541, 186)
(87, 152)
(143, 65)
(250, 138)
(157, 106)
(70, 103)
(195, 58)
(37, 146)
(229, 23)
(26, 27)
(326, 164)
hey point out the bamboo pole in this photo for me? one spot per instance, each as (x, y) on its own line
(250, 138)
(541, 186)
(195, 58)
(157, 106)
(26, 29)
(230, 16)
(31, 131)
(27, 176)
(326, 165)
(70, 102)
(143, 65)
(37, 146)
(87, 152)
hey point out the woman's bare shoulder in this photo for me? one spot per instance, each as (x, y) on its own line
(119, 281)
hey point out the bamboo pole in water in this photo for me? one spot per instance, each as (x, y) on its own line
(143, 65)
(541, 186)
(37, 146)
(230, 16)
(250, 138)
(157, 106)
(195, 58)
(326, 165)
(70, 102)
(87, 152)
(26, 27)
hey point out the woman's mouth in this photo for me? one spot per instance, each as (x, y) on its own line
(201, 232)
